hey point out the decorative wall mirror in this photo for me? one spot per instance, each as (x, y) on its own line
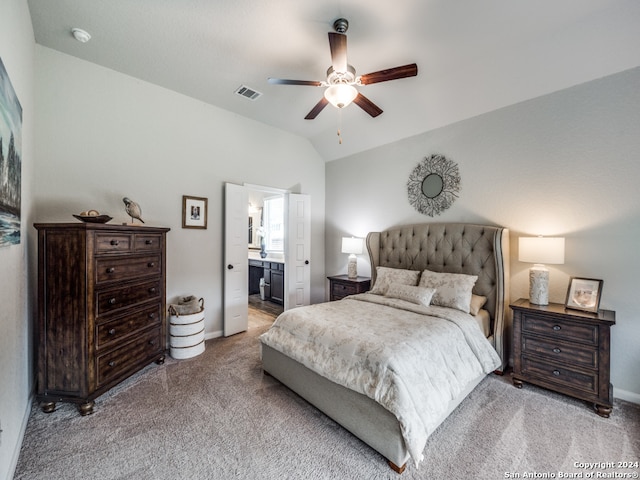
(433, 185)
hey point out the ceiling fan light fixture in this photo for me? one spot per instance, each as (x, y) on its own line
(340, 95)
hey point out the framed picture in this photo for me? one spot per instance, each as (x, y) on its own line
(584, 294)
(10, 161)
(194, 212)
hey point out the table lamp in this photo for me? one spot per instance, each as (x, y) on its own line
(540, 250)
(352, 246)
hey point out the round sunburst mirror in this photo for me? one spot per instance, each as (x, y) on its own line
(433, 185)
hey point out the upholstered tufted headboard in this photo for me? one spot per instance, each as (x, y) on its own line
(453, 248)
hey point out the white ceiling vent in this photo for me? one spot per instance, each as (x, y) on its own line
(247, 92)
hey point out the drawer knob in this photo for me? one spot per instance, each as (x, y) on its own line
(112, 301)
(556, 373)
(556, 350)
(151, 264)
(557, 328)
(111, 270)
(149, 242)
(114, 242)
(152, 290)
(152, 342)
(112, 331)
(152, 315)
(112, 363)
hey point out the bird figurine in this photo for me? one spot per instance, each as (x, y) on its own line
(132, 209)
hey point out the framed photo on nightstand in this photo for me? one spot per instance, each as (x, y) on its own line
(584, 294)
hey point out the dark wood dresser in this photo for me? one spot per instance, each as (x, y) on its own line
(101, 308)
(564, 350)
(341, 285)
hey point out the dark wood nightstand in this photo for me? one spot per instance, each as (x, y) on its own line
(341, 285)
(564, 350)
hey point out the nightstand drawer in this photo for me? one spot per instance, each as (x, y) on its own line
(549, 372)
(560, 329)
(342, 290)
(558, 351)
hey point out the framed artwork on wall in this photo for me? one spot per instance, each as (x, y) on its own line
(584, 294)
(194, 212)
(10, 161)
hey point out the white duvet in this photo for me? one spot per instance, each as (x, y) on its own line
(411, 359)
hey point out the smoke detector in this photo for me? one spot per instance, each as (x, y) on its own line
(80, 35)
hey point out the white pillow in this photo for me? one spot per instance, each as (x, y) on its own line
(477, 302)
(385, 276)
(453, 290)
(410, 293)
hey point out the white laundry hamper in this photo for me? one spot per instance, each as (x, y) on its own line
(186, 333)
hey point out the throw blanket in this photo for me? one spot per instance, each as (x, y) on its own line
(410, 359)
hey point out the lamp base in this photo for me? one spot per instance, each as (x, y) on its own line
(539, 285)
(352, 268)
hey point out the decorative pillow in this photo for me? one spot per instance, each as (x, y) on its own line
(477, 302)
(385, 276)
(453, 290)
(410, 293)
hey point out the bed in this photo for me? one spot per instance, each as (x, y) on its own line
(370, 387)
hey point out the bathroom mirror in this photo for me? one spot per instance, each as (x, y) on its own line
(433, 185)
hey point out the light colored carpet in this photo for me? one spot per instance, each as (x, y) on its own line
(217, 416)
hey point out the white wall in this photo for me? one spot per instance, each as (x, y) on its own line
(17, 53)
(103, 135)
(563, 164)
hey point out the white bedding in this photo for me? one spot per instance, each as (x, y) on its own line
(409, 358)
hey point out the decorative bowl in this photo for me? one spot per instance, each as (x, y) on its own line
(94, 218)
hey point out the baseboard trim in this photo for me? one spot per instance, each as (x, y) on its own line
(210, 335)
(18, 447)
(625, 395)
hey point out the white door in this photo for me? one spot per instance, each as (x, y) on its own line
(236, 262)
(298, 255)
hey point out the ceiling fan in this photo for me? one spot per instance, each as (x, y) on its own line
(341, 77)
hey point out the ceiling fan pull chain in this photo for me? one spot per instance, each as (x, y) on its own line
(339, 125)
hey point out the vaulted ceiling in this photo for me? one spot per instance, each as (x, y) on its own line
(473, 56)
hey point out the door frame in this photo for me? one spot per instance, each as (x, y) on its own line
(287, 262)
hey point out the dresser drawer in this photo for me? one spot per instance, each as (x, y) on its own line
(553, 373)
(130, 356)
(116, 298)
(112, 332)
(126, 268)
(113, 242)
(558, 351)
(148, 242)
(560, 329)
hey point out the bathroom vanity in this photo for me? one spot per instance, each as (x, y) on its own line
(273, 274)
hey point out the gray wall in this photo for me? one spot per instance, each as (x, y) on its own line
(17, 53)
(563, 164)
(103, 135)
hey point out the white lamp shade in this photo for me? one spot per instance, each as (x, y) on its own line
(352, 245)
(341, 94)
(549, 250)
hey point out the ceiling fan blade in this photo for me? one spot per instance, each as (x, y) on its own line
(317, 109)
(282, 81)
(367, 105)
(404, 71)
(338, 46)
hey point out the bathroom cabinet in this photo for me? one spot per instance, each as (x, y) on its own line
(273, 274)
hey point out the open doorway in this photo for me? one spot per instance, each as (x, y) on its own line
(294, 267)
(266, 256)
